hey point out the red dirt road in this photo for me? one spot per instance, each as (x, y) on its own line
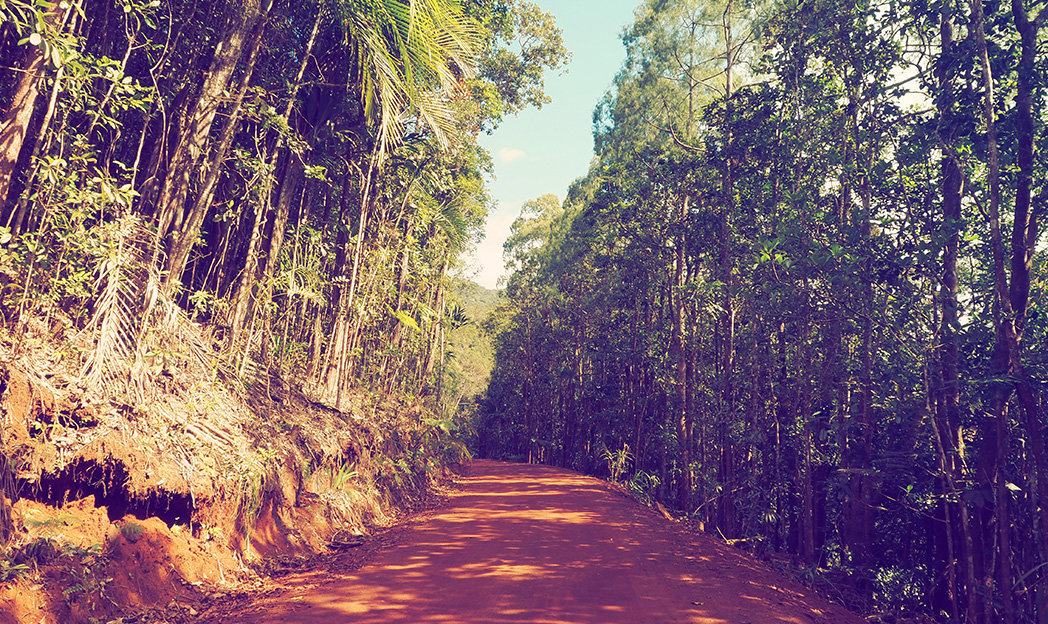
(524, 543)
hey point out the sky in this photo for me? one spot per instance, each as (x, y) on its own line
(544, 151)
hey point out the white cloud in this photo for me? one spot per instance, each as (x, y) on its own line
(510, 154)
(487, 258)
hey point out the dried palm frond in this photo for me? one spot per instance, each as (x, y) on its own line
(127, 285)
(143, 341)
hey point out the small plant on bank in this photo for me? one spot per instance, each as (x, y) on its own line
(132, 530)
(340, 476)
(617, 461)
(643, 485)
(10, 570)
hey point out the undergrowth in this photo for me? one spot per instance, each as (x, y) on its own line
(28, 557)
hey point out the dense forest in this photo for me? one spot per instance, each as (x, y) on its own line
(800, 295)
(230, 240)
(300, 177)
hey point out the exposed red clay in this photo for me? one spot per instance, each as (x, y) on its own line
(525, 543)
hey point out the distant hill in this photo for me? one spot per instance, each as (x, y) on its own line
(477, 300)
(469, 347)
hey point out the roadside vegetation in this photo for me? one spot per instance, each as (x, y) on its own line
(800, 296)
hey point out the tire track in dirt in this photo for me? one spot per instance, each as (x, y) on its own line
(525, 543)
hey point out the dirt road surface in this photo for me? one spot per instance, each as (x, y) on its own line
(524, 543)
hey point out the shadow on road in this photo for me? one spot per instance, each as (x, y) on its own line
(522, 543)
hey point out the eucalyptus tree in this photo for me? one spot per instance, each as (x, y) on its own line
(1012, 144)
(525, 251)
(523, 43)
(793, 290)
(682, 57)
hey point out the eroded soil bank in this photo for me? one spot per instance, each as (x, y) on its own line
(153, 506)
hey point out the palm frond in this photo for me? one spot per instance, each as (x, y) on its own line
(411, 57)
(127, 283)
(140, 333)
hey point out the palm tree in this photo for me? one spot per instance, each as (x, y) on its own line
(409, 59)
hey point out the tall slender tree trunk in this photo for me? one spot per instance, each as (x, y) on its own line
(241, 16)
(433, 356)
(1023, 241)
(948, 408)
(250, 275)
(528, 392)
(1024, 222)
(320, 367)
(1011, 300)
(17, 116)
(179, 247)
(19, 205)
(726, 268)
(679, 354)
(289, 190)
(337, 362)
(14, 126)
(806, 467)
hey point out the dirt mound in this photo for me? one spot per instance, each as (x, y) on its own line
(91, 569)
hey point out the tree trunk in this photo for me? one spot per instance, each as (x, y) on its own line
(804, 390)
(249, 276)
(15, 123)
(288, 191)
(434, 355)
(948, 407)
(725, 266)
(185, 163)
(337, 361)
(179, 247)
(1024, 223)
(679, 355)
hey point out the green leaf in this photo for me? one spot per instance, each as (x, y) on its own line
(406, 319)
